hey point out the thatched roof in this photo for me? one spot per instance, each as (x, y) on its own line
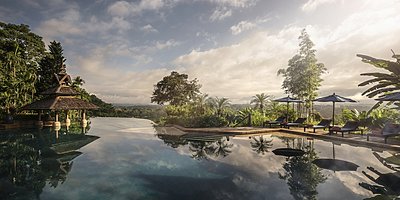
(60, 103)
(60, 90)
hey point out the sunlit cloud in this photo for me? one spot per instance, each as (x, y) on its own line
(312, 5)
(242, 26)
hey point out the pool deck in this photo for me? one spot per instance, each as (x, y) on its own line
(354, 139)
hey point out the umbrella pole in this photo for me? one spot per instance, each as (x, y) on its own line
(287, 112)
(333, 115)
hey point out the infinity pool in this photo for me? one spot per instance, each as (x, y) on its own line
(124, 158)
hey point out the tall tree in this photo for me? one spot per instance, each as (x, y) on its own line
(51, 64)
(303, 74)
(383, 83)
(260, 101)
(175, 89)
(20, 51)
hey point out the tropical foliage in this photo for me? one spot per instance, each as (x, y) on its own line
(383, 83)
(175, 89)
(27, 69)
(303, 74)
(20, 52)
(260, 101)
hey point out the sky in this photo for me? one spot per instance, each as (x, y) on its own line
(233, 47)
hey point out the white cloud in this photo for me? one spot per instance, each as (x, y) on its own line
(236, 3)
(312, 5)
(167, 44)
(70, 23)
(242, 26)
(248, 67)
(124, 8)
(149, 29)
(221, 13)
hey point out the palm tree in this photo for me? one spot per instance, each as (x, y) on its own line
(384, 83)
(260, 100)
(221, 148)
(219, 105)
(201, 102)
(261, 145)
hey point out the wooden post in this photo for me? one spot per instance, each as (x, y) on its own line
(67, 120)
(56, 123)
(39, 123)
(84, 122)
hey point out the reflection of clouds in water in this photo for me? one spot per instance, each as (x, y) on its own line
(128, 147)
(351, 180)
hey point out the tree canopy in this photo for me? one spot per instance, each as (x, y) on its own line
(20, 52)
(175, 89)
(52, 63)
(303, 74)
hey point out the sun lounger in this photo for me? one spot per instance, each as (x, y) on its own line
(278, 121)
(299, 122)
(390, 130)
(323, 124)
(350, 126)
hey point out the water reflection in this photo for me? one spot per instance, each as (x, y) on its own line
(302, 175)
(205, 149)
(261, 145)
(31, 158)
(386, 185)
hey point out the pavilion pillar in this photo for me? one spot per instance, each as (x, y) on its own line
(39, 123)
(56, 123)
(84, 121)
(67, 120)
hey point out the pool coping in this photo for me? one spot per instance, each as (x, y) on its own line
(255, 130)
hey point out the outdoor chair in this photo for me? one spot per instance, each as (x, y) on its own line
(350, 126)
(278, 121)
(299, 122)
(323, 124)
(389, 130)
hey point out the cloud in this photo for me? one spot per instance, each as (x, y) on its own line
(116, 85)
(242, 26)
(236, 3)
(71, 23)
(167, 44)
(220, 13)
(125, 9)
(312, 5)
(149, 29)
(249, 66)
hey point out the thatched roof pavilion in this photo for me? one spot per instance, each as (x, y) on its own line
(61, 97)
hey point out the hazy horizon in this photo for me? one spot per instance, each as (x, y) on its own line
(234, 47)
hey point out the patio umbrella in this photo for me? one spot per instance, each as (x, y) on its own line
(390, 97)
(335, 164)
(334, 98)
(288, 99)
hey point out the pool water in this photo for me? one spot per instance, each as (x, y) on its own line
(126, 158)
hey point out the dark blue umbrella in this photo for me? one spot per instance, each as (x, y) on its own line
(288, 100)
(390, 97)
(334, 98)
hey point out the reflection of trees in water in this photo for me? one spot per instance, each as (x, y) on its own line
(221, 148)
(261, 145)
(202, 150)
(296, 143)
(387, 185)
(27, 162)
(172, 140)
(302, 175)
